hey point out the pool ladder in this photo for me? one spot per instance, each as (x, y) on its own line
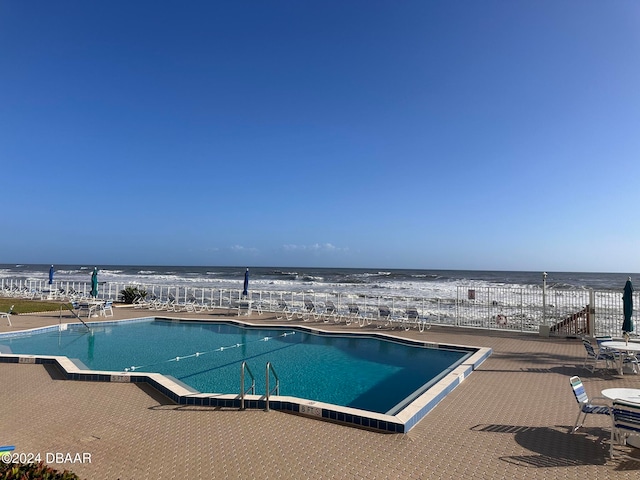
(252, 388)
(66, 305)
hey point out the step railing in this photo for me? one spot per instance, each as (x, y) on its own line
(276, 389)
(243, 391)
(68, 307)
(270, 371)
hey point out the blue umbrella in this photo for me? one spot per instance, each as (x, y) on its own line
(94, 282)
(245, 292)
(51, 275)
(627, 306)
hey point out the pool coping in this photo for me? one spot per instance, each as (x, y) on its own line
(182, 394)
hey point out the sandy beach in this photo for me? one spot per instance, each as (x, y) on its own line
(508, 419)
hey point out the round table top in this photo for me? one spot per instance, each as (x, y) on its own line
(627, 394)
(629, 347)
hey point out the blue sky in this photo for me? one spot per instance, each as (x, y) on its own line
(461, 134)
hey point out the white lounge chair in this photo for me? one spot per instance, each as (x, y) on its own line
(354, 314)
(330, 312)
(7, 315)
(284, 310)
(384, 315)
(413, 317)
(311, 310)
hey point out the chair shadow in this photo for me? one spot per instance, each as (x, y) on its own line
(554, 447)
(570, 370)
(566, 370)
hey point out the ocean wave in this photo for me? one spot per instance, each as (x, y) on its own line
(354, 281)
(310, 278)
(110, 272)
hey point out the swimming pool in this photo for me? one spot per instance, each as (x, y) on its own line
(367, 372)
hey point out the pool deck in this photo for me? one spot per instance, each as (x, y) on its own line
(509, 419)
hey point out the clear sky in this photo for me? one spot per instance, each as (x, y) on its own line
(499, 135)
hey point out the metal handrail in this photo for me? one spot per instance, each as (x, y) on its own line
(276, 389)
(243, 392)
(66, 305)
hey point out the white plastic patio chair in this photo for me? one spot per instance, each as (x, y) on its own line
(7, 315)
(106, 309)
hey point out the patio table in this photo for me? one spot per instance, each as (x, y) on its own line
(90, 307)
(623, 348)
(628, 395)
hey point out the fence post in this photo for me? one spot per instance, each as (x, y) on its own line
(591, 314)
(544, 298)
(544, 329)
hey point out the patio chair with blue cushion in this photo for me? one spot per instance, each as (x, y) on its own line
(595, 356)
(585, 407)
(106, 309)
(625, 422)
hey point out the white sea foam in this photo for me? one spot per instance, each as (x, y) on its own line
(357, 282)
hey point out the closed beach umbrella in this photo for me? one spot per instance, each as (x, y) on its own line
(245, 291)
(51, 275)
(627, 306)
(94, 282)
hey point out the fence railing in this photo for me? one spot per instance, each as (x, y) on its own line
(565, 312)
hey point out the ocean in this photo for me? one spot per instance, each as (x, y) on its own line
(357, 281)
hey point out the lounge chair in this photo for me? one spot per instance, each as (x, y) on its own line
(625, 422)
(330, 312)
(412, 316)
(586, 407)
(152, 302)
(286, 311)
(7, 315)
(384, 315)
(353, 313)
(190, 305)
(140, 301)
(311, 310)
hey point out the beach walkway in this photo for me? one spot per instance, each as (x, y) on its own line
(509, 419)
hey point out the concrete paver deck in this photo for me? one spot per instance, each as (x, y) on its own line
(509, 419)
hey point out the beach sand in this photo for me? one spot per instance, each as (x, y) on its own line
(509, 419)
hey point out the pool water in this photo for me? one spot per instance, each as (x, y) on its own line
(364, 372)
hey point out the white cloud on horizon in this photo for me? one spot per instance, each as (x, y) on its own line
(243, 249)
(314, 248)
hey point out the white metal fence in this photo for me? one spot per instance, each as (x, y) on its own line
(565, 312)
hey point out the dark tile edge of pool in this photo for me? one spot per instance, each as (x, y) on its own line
(182, 394)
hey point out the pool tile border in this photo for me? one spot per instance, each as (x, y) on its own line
(182, 394)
